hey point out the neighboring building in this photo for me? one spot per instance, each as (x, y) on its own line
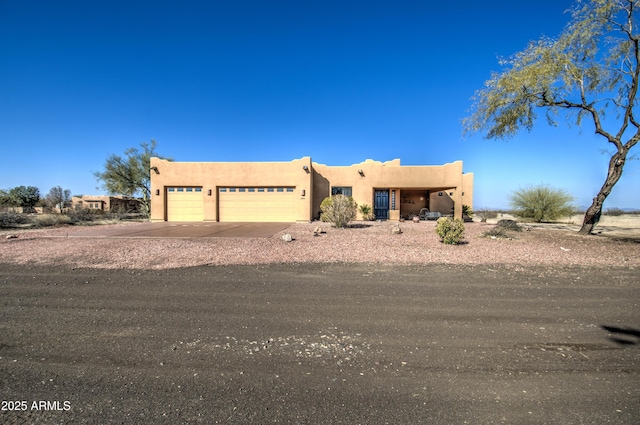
(292, 191)
(105, 203)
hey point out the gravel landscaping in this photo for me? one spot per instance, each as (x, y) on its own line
(364, 242)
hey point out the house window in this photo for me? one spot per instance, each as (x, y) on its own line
(341, 190)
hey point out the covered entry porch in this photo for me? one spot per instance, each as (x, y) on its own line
(406, 203)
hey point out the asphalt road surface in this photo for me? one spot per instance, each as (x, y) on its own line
(319, 344)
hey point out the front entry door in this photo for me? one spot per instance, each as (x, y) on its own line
(381, 204)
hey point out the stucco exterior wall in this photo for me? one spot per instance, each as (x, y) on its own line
(212, 175)
(393, 176)
(313, 183)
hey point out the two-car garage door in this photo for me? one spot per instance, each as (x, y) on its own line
(252, 204)
(266, 204)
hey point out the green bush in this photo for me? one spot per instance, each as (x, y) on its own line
(339, 210)
(450, 230)
(366, 211)
(541, 203)
(466, 210)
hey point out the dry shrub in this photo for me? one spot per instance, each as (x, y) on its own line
(450, 230)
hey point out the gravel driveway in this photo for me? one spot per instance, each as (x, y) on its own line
(363, 243)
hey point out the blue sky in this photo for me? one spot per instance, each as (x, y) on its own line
(340, 81)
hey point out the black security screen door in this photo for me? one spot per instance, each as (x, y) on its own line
(381, 204)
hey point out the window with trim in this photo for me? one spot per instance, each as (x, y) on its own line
(341, 190)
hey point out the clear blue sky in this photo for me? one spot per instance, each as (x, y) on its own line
(340, 81)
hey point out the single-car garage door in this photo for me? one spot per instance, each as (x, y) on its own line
(185, 204)
(266, 204)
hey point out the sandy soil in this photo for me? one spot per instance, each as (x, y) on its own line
(625, 226)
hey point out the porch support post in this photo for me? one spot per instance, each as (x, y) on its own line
(457, 202)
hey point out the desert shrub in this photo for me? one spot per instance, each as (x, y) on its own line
(485, 214)
(541, 203)
(366, 211)
(615, 212)
(497, 232)
(450, 230)
(51, 220)
(338, 209)
(11, 219)
(466, 210)
(84, 215)
(508, 225)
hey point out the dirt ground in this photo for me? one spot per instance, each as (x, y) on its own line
(320, 343)
(625, 226)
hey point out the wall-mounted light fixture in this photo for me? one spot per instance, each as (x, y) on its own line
(439, 193)
(209, 192)
(361, 173)
(305, 168)
(155, 169)
(303, 192)
(157, 192)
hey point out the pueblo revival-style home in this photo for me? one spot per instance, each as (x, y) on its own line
(293, 191)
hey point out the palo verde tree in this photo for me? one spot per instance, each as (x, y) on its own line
(591, 69)
(130, 175)
(541, 203)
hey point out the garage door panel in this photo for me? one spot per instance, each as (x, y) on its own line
(185, 204)
(268, 204)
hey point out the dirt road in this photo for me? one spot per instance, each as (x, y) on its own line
(323, 343)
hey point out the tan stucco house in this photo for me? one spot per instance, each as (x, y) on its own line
(105, 203)
(292, 191)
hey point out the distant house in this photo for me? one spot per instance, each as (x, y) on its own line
(106, 203)
(293, 191)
